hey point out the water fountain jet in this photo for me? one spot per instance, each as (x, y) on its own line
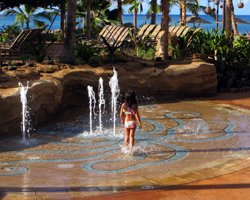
(92, 102)
(25, 125)
(101, 102)
(115, 91)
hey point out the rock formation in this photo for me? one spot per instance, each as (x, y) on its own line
(63, 87)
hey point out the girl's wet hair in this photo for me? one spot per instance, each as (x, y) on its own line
(130, 99)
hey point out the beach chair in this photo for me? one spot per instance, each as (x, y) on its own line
(185, 31)
(104, 30)
(108, 33)
(114, 37)
(171, 28)
(175, 30)
(154, 34)
(23, 44)
(148, 31)
(13, 48)
(142, 30)
(180, 31)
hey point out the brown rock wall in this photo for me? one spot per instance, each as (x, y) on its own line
(67, 87)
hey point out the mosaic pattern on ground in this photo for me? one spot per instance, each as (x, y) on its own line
(175, 137)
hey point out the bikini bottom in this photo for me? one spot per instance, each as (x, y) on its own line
(130, 124)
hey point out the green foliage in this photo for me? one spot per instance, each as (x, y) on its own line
(85, 51)
(25, 14)
(177, 52)
(34, 3)
(200, 43)
(231, 57)
(54, 36)
(7, 33)
(101, 15)
(184, 45)
(36, 50)
(146, 52)
(143, 47)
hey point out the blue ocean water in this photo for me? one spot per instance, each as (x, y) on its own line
(142, 19)
(174, 20)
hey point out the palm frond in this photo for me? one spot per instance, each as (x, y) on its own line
(38, 23)
(44, 15)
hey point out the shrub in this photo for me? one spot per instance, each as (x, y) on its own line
(230, 56)
(85, 51)
(9, 32)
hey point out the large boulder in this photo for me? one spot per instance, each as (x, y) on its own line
(44, 99)
(175, 81)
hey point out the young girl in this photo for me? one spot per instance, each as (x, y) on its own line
(129, 115)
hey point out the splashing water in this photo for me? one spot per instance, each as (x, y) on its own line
(92, 102)
(101, 102)
(115, 91)
(197, 126)
(25, 110)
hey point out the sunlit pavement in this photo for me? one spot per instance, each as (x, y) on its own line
(192, 149)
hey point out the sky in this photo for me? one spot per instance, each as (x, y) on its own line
(175, 9)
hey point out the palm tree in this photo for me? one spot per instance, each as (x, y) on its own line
(68, 50)
(62, 21)
(183, 12)
(119, 9)
(165, 4)
(96, 14)
(187, 5)
(234, 24)
(153, 4)
(135, 6)
(88, 22)
(25, 14)
(228, 19)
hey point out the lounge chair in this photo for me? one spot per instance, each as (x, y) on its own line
(175, 32)
(148, 31)
(181, 30)
(156, 31)
(108, 33)
(23, 44)
(14, 47)
(142, 31)
(113, 37)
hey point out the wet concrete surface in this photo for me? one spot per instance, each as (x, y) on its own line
(190, 149)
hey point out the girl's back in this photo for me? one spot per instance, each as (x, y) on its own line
(130, 112)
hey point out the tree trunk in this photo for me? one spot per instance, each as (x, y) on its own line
(180, 10)
(88, 22)
(68, 51)
(27, 23)
(234, 24)
(183, 12)
(135, 19)
(154, 11)
(119, 10)
(62, 22)
(165, 26)
(228, 21)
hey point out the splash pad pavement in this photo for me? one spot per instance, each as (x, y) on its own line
(180, 143)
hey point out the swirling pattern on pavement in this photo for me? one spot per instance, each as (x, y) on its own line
(104, 151)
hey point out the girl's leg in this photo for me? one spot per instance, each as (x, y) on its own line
(132, 137)
(126, 140)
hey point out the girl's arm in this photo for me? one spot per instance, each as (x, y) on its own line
(122, 116)
(138, 118)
